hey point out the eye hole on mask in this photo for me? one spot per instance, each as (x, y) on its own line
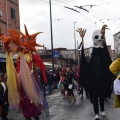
(101, 37)
(29, 39)
(22, 39)
(96, 37)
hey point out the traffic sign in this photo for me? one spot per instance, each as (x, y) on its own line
(56, 54)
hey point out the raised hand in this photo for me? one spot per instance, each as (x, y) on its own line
(81, 32)
(15, 36)
(5, 40)
(104, 27)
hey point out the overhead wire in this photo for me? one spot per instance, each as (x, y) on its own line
(74, 5)
(100, 20)
(63, 6)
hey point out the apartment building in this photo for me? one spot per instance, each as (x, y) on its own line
(9, 15)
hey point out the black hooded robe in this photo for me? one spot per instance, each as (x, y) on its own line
(95, 76)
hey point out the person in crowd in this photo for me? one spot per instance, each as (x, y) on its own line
(62, 82)
(50, 81)
(3, 77)
(55, 81)
(70, 77)
(95, 75)
(4, 100)
(0, 72)
(40, 77)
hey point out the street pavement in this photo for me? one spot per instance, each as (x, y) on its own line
(60, 109)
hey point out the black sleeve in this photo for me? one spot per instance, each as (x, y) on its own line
(2, 101)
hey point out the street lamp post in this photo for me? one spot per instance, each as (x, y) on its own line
(75, 40)
(51, 35)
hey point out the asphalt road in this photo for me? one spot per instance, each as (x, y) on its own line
(60, 109)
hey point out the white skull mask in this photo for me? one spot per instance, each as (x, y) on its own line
(98, 39)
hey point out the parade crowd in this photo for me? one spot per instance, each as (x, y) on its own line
(28, 82)
(60, 79)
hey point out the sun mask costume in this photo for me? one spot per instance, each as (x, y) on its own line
(24, 85)
(95, 76)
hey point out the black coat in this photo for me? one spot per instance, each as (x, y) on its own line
(95, 76)
(102, 77)
(69, 77)
(3, 99)
(50, 79)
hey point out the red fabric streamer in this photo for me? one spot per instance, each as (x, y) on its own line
(39, 63)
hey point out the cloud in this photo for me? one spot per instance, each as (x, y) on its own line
(35, 14)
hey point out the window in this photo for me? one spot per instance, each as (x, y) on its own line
(12, 13)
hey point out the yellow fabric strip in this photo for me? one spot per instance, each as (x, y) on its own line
(10, 70)
(13, 94)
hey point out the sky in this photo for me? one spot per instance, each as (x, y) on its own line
(35, 14)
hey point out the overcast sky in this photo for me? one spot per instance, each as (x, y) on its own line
(35, 14)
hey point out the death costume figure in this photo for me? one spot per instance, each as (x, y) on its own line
(95, 76)
(25, 84)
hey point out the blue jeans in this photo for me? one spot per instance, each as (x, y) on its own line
(49, 88)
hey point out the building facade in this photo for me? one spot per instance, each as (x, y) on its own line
(66, 56)
(9, 15)
(113, 55)
(9, 18)
(88, 52)
(116, 38)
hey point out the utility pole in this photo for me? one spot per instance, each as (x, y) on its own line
(51, 36)
(78, 54)
(0, 27)
(75, 40)
(0, 22)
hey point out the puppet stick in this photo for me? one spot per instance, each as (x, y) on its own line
(83, 32)
(104, 39)
(82, 42)
(103, 33)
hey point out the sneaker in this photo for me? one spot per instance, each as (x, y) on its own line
(103, 113)
(97, 117)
